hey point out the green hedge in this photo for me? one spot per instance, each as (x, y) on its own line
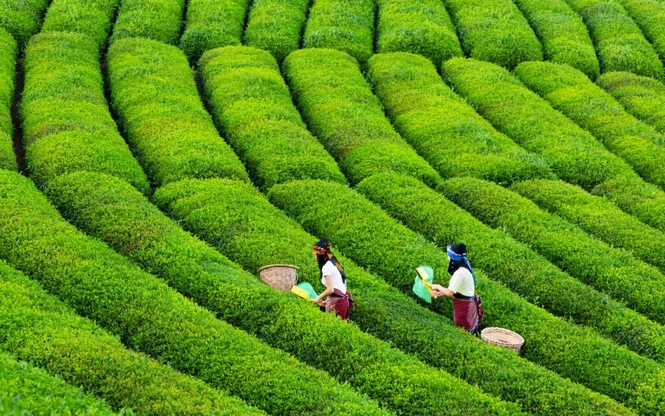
(339, 108)
(578, 98)
(39, 328)
(150, 317)
(90, 17)
(344, 25)
(650, 17)
(252, 106)
(643, 97)
(573, 153)
(25, 389)
(243, 225)
(597, 216)
(564, 36)
(66, 121)
(416, 26)
(159, 20)
(22, 18)
(212, 24)
(442, 128)
(363, 232)
(161, 113)
(494, 31)
(620, 44)
(8, 54)
(276, 26)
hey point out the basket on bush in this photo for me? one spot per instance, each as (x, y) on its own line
(503, 338)
(280, 276)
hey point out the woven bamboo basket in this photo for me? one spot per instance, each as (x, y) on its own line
(280, 276)
(503, 338)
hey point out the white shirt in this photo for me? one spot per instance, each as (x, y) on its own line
(462, 282)
(329, 269)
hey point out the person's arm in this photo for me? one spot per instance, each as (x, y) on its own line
(329, 289)
(438, 290)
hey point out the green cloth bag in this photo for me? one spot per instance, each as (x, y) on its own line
(424, 278)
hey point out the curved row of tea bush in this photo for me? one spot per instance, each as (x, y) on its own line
(67, 125)
(620, 44)
(339, 108)
(597, 216)
(643, 97)
(573, 153)
(650, 17)
(207, 277)
(571, 92)
(517, 265)
(243, 225)
(8, 54)
(344, 25)
(363, 232)
(22, 18)
(443, 129)
(159, 20)
(563, 34)
(161, 113)
(276, 26)
(25, 389)
(417, 26)
(152, 318)
(252, 107)
(90, 17)
(39, 328)
(212, 24)
(496, 32)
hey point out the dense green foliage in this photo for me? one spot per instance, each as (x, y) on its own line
(443, 129)
(243, 225)
(339, 108)
(572, 93)
(416, 26)
(276, 26)
(161, 113)
(494, 31)
(573, 153)
(563, 34)
(650, 17)
(66, 122)
(643, 97)
(8, 52)
(252, 106)
(89, 17)
(597, 216)
(620, 44)
(344, 25)
(150, 317)
(158, 20)
(212, 24)
(22, 18)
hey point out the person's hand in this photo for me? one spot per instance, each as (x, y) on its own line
(437, 290)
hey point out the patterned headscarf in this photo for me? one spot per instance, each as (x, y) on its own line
(323, 255)
(457, 254)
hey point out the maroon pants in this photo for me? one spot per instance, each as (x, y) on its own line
(466, 313)
(340, 303)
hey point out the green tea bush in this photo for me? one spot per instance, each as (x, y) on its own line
(212, 24)
(339, 108)
(643, 97)
(421, 27)
(367, 235)
(158, 20)
(66, 121)
(494, 31)
(563, 34)
(161, 113)
(152, 318)
(242, 224)
(597, 216)
(344, 25)
(22, 18)
(650, 17)
(252, 107)
(39, 328)
(620, 44)
(276, 26)
(442, 128)
(8, 54)
(573, 153)
(579, 99)
(90, 17)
